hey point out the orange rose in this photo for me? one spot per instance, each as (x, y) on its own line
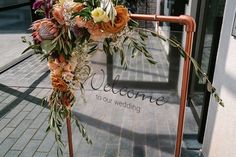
(58, 15)
(120, 22)
(58, 83)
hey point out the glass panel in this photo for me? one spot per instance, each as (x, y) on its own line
(6, 3)
(16, 20)
(140, 70)
(127, 121)
(215, 10)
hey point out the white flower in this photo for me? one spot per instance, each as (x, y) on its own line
(99, 15)
(67, 76)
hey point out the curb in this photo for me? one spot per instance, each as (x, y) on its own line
(15, 62)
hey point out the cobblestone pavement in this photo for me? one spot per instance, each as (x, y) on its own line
(118, 125)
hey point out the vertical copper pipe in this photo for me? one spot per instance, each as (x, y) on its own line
(69, 133)
(184, 92)
(190, 28)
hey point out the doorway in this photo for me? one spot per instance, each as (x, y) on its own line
(205, 46)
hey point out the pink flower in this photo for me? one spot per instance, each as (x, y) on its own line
(44, 29)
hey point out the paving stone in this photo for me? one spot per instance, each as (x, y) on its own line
(167, 152)
(20, 129)
(4, 122)
(126, 148)
(40, 154)
(6, 145)
(30, 149)
(42, 117)
(4, 133)
(77, 139)
(138, 151)
(17, 120)
(46, 110)
(29, 107)
(53, 151)
(17, 109)
(13, 153)
(2, 98)
(24, 139)
(35, 112)
(5, 94)
(153, 152)
(3, 105)
(98, 148)
(115, 128)
(9, 99)
(111, 150)
(41, 132)
(164, 136)
(83, 149)
(47, 143)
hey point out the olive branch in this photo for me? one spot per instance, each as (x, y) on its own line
(197, 69)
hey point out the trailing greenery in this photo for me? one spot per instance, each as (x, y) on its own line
(197, 69)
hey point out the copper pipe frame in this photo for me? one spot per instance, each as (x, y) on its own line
(190, 28)
(69, 134)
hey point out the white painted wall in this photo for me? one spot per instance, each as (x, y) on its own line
(220, 134)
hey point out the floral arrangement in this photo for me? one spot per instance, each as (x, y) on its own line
(68, 33)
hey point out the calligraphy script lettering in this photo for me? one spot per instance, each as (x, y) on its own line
(124, 91)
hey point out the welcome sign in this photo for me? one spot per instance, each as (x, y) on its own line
(126, 121)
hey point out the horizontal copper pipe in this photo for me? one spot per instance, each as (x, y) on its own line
(186, 20)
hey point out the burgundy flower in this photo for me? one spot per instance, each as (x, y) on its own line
(38, 3)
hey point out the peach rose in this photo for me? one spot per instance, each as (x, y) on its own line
(55, 68)
(58, 15)
(58, 83)
(120, 22)
(77, 8)
(80, 22)
(95, 31)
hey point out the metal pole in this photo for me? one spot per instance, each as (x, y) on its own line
(183, 99)
(69, 133)
(190, 28)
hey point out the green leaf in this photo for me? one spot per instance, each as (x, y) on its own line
(150, 60)
(48, 129)
(27, 49)
(133, 23)
(92, 49)
(47, 45)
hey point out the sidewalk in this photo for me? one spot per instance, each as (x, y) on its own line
(11, 49)
(116, 131)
